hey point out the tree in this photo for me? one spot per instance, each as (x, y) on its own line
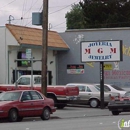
(75, 18)
(99, 14)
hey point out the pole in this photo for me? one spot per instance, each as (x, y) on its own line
(31, 72)
(102, 84)
(44, 47)
(16, 84)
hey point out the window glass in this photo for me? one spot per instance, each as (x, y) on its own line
(37, 80)
(35, 95)
(24, 81)
(106, 88)
(81, 88)
(88, 89)
(127, 94)
(10, 96)
(26, 96)
(117, 88)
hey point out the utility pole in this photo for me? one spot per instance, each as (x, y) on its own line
(44, 47)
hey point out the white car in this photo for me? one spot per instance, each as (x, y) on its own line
(90, 94)
(113, 88)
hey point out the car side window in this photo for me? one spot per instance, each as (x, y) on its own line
(35, 95)
(107, 88)
(25, 96)
(88, 89)
(81, 88)
(24, 81)
(37, 80)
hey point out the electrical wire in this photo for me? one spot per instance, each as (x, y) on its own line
(24, 6)
(22, 20)
(7, 4)
(59, 24)
(31, 6)
(63, 8)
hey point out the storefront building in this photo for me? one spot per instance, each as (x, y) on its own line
(15, 40)
(72, 70)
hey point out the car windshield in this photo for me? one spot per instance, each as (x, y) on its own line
(98, 87)
(10, 96)
(117, 88)
(127, 94)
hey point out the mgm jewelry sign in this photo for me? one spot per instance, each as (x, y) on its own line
(101, 51)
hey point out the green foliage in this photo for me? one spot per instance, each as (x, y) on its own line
(75, 18)
(99, 14)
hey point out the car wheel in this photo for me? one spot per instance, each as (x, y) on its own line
(115, 113)
(20, 119)
(13, 115)
(61, 106)
(45, 114)
(94, 103)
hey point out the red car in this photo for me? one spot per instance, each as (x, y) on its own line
(17, 104)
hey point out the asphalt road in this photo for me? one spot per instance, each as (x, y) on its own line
(71, 118)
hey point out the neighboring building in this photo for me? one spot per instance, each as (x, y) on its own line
(115, 72)
(14, 40)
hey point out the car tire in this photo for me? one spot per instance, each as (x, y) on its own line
(115, 113)
(94, 103)
(13, 115)
(46, 114)
(61, 106)
(20, 119)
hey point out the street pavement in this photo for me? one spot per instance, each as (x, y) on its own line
(71, 118)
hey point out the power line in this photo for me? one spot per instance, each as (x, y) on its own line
(7, 4)
(59, 24)
(31, 6)
(63, 8)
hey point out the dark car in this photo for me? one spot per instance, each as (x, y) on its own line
(17, 104)
(120, 105)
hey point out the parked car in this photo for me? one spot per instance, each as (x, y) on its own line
(15, 105)
(90, 94)
(120, 105)
(59, 93)
(114, 88)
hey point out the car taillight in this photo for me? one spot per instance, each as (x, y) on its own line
(67, 91)
(111, 97)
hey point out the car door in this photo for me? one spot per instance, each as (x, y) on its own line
(38, 102)
(24, 83)
(26, 107)
(83, 94)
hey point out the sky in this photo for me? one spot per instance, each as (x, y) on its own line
(18, 9)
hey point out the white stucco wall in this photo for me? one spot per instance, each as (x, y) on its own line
(8, 53)
(2, 55)
(37, 53)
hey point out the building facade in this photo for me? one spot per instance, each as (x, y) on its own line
(15, 40)
(114, 72)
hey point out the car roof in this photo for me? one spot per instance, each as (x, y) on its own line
(104, 84)
(29, 75)
(20, 90)
(80, 84)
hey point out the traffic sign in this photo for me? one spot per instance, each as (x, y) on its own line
(28, 53)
